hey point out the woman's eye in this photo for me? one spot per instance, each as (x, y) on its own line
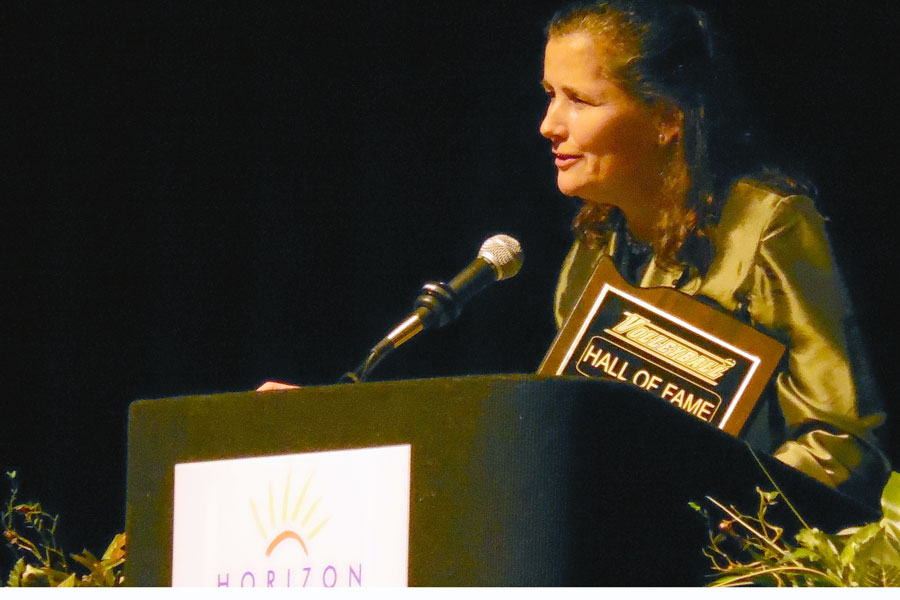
(577, 99)
(588, 101)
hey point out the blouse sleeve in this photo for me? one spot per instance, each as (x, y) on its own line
(795, 290)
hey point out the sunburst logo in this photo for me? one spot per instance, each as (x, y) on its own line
(297, 520)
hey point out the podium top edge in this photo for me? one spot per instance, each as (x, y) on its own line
(513, 378)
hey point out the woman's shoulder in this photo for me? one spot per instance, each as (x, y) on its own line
(777, 182)
(767, 196)
(761, 209)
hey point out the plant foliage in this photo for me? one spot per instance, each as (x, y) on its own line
(30, 533)
(749, 550)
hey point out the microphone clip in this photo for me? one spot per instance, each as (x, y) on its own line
(441, 304)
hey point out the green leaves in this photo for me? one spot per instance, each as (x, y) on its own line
(883, 576)
(30, 532)
(104, 572)
(854, 557)
(890, 507)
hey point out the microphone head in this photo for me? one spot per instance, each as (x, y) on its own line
(503, 253)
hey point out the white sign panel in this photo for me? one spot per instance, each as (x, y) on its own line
(319, 519)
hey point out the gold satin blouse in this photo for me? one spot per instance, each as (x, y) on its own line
(773, 268)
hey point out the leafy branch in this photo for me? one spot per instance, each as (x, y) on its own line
(749, 550)
(30, 532)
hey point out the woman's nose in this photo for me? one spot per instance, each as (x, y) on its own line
(552, 126)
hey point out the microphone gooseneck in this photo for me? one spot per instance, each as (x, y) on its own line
(500, 257)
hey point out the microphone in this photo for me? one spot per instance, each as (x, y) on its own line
(500, 257)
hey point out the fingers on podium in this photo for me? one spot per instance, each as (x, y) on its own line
(276, 385)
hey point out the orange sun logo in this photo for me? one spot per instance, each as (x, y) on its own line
(294, 524)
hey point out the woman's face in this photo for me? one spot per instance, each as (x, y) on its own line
(608, 145)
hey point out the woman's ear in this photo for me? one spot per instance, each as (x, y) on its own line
(671, 123)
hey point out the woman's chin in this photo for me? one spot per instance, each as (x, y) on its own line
(579, 191)
(569, 189)
(579, 187)
(592, 192)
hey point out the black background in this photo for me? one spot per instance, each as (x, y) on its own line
(200, 196)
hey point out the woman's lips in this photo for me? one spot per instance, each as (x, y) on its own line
(564, 161)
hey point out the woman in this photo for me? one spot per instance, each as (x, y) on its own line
(630, 87)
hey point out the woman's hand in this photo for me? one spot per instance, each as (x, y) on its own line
(276, 385)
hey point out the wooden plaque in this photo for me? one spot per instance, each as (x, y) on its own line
(668, 343)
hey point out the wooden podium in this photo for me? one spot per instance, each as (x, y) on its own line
(516, 480)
